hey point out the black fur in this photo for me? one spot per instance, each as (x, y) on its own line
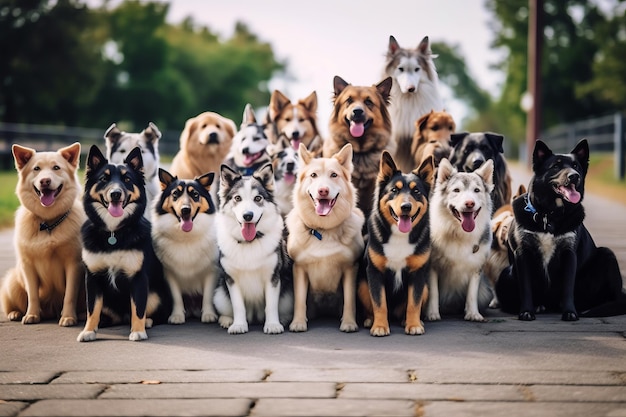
(581, 279)
(132, 234)
(470, 150)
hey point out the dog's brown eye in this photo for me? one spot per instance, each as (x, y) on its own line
(369, 103)
(456, 190)
(237, 198)
(36, 169)
(333, 175)
(476, 190)
(394, 190)
(349, 100)
(434, 128)
(258, 198)
(195, 195)
(401, 69)
(313, 175)
(203, 126)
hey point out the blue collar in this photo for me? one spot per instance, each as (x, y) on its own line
(529, 207)
(317, 234)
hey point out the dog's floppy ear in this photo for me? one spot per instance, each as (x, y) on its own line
(95, 159)
(265, 174)
(22, 155)
(278, 101)
(206, 180)
(344, 156)
(71, 154)
(495, 140)
(384, 88)
(540, 154)
(152, 133)
(135, 160)
(165, 178)
(387, 167)
(426, 170)
(339, 84)
(457, 138)
(445, 170)
(581, 152)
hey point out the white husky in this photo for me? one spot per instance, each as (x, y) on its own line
(414, 93)
(460, 215)
(253, 258)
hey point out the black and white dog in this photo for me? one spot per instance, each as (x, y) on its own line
(555, 264)
(124, 279)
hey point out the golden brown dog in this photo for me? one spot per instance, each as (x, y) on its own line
(295, 121)
(432, 137)
(204, 143)
(325, 240)
(360, 117)
(49, 274)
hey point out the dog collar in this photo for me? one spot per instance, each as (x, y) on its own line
(529, 206)
(537, 218)
(45, 226)
(246, 172)
(317, 234)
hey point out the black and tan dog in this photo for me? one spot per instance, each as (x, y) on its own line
(556, 265)
(124, 279)
(398, 248)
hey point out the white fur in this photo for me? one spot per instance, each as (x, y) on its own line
(397, 252)
(458, 256)
(189, 261)
(251, 296)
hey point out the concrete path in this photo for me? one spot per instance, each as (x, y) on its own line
(502, 367)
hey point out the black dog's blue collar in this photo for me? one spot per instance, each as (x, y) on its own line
(529, 206)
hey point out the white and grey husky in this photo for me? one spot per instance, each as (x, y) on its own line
(414, 93)
(460, 215)
(254, 284)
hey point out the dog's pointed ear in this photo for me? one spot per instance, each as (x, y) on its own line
(393, 46)
(339, 84)
(581, 152)
(22, 155)
(135, 160)
(278, 101)
(424, 46)
(71, 154)
(95, 159)
(445, 170)
(457, 138)
(344, 156)
(228, 176)
(426, 170)
(305, 155)
(265, 174)
(165, 178)
(384, 88)
(206, 180)
(112, 134)
(485, 171)
(248, 115)
(310, 102)
(496, 141)
(540, 154)
(152, 133)
(387, 168)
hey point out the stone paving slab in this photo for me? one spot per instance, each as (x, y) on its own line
(338, 407)
(165, 376)
(20, 392)
(496, 409)
(432, 392)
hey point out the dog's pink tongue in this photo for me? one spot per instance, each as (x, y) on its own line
(404, 224)
(290, 178)
(116, 209)
(467, 223)
(356, 129)
(47, 198)
(295, 143)
(323, 207)
(248, 231)
(186, 225)
(570, 193)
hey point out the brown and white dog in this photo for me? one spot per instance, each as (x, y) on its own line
(360, 117)
(295, 121)
(432, 137)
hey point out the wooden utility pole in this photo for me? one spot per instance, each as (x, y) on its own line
(535, 42)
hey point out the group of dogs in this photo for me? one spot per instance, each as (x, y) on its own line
(394, 217)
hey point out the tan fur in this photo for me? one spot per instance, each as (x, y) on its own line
(373, 101)
(281, 122)
(432, 137)
(328, 265)
(196, 155)
(49, 274)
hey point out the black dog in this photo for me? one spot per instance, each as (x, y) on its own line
(555, 264)
(124, 279)
(470, 150)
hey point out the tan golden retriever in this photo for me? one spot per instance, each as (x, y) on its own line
(49, 274)
(432, 137)
(204, 143)
(325, 240)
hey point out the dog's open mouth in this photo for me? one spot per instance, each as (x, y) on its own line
(186, 220)
(248, 159)
(323, 206)
(47, 196)
(115, 208)
(357, 128)
(289, 178)
(467, 218)
(569, 192)
(248, 231)
(404, 221)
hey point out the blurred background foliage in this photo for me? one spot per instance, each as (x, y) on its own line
(65, 62)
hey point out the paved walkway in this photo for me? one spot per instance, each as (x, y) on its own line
(502, 367)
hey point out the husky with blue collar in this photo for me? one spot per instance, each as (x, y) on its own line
(556, 265)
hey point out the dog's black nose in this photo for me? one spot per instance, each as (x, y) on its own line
(573, 178)
(248, 215)
(295, 135)
(185, 211)
(357, 115)
(245, 151)
(290, 166)
(405, 207)
(213, 137)
(116, 196)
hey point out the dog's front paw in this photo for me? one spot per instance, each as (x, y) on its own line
(31, 319)
(149, 323)
(434, 316)
(176, 318)
(86, 336)
(238, 328)
(527, 316)
(380, 331)
(273, 328)
(474, 316)
(209, 317)
(415, 330)
(68, 321)
(367, 323)
(14, 316)
(137, 336)
(569, 316)
(349, 326)
(298, 326)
